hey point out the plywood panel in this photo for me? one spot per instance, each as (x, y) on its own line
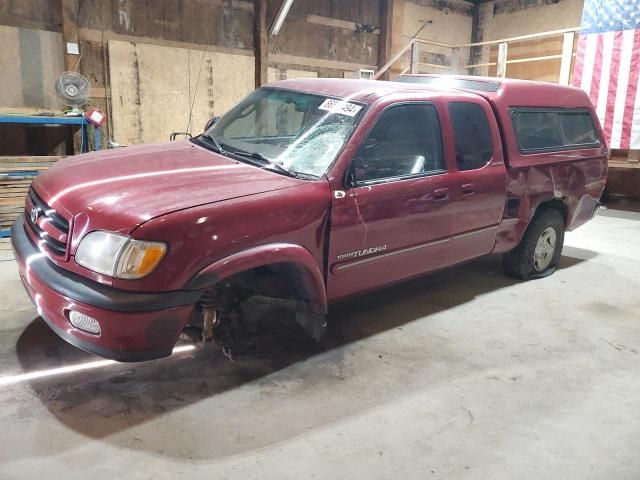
(31, 61)
(10, 76)
(153, 88)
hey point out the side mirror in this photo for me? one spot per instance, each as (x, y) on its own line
(350, 180)
(211, 122)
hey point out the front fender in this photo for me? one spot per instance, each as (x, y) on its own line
(304, 267)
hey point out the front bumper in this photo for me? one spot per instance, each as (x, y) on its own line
(134, 326)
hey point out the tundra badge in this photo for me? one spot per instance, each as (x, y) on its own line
(362, 253)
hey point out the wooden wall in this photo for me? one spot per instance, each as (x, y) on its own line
(450, 22)
(153, 89)
(323, 38)
(513, 18)
(326, 38)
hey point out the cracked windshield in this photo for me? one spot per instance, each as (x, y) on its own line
(303, 133)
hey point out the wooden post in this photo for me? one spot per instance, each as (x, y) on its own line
(261, 42)
(502, 59)
(482, 30)
(415, 57)
(386, 30)
(567, 56)
(391, 36)
(70, 33)
(455, 60)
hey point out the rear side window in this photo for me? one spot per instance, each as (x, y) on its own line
(546, 130)
(578, 129)
(472, 135)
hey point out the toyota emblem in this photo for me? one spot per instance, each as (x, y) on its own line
(35, 213)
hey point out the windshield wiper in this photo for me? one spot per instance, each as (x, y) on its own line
(266, 161)
(213, 140)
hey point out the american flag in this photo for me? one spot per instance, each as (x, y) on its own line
(608, 65)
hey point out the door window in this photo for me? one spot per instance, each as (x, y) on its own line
(472, 135)
(406, 141)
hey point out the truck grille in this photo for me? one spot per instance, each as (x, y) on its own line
(57, 226)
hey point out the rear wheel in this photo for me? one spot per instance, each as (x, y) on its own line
(539, 251)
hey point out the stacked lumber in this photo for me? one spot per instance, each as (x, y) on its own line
(16, 174)
(624, 159)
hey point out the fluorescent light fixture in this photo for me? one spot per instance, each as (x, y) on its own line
(282, 14)
(24, 377)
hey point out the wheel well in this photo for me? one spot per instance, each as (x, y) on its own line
(220, 312)
(278, 280)
(554, 204)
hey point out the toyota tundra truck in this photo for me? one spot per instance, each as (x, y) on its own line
(311, 190)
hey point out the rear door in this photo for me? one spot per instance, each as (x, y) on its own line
(478, 180)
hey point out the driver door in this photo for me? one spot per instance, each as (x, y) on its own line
(397, 219)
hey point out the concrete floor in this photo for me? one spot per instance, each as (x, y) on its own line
(462, 374)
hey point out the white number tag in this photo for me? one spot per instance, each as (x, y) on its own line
(340, 107)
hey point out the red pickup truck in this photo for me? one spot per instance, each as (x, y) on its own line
(312, 190)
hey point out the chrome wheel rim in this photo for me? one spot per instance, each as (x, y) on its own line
(545, 248)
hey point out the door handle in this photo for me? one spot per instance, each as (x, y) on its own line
(440, 194)
(468, 189)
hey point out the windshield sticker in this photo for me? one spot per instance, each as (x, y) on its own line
(340, 107)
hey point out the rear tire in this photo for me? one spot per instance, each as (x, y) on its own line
(539, 250)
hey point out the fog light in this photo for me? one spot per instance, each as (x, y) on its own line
(84, 322)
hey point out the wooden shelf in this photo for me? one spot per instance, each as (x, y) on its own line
(623, 164)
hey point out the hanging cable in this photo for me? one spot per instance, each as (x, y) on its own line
(195, 92)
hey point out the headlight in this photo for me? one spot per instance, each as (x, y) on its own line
(118, 255)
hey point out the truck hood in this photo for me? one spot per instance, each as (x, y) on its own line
(120, 189)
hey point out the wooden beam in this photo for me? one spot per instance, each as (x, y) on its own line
(542, 58)
(391, 34)
(317, 62)
(383, 71)
(477, 65)
(432, 42)
(435, 65)
(482, 30)
(70, 33)
(98, 36)
(502, 59)
(567, 57)
(384, 42)
(455, 60)
(415, 57)
(336, 23)
(261, 39)
(522, 38)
